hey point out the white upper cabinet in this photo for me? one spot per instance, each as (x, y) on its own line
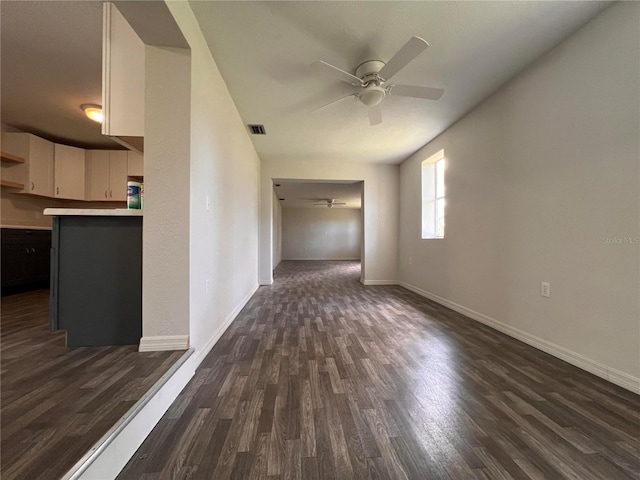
(37, 172)
(62, 171)
(135, 164)
(106, 175)
(122, 76)
(117, 175)
(69, 172)
(97, 175)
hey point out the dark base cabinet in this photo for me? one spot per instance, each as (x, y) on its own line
(96, 280)
(25, 259)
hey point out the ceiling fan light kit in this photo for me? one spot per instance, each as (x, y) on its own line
(329, 203)
(372, 78)
(372, 95)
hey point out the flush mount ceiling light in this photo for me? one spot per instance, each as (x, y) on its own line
(94, 112)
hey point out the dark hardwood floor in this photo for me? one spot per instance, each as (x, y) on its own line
(322, 378)
(57, 402)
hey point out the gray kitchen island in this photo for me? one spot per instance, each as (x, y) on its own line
(96, 276)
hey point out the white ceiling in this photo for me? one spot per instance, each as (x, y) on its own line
(51, 64)
(264, 50)
(51, 55)
(304, 194)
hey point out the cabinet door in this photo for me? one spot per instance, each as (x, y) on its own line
(69, 178)
(123, 84)
(40, 167)
(41, 257)
(135, 164)
(97, 165)
(118, 175)
(15, 262)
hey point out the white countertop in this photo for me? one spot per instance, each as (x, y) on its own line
(26, 227)
(94, 212)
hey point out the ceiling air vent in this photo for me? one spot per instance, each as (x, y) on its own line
(257, 129)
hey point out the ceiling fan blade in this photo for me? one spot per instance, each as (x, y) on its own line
(335, 72)
(338, 203)
(335, 101)
(375, 115)
(418, 92)
(414, 47)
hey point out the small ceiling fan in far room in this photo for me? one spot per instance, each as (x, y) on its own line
(372, 78)
(329, 203)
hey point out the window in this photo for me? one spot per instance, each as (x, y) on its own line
(433, 199)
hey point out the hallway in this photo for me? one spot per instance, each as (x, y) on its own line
(320, 377)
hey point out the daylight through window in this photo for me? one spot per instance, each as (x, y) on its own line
(433, 196)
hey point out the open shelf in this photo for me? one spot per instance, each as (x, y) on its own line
(8, 157)
(7, 183)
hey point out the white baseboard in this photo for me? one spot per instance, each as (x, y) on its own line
(323, 259)
(378, 282)
(164, 342)
(111, 453)
(601, 370)
(265, 281)
(204, 351)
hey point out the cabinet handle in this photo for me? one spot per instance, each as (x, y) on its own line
(57, 190)
(110, 194)
(33, 186)
(33, 250)
(105, 194)
(26, 250)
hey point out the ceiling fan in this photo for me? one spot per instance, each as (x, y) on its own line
(372, 77)
(329, 203)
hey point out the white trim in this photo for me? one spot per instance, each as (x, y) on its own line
(601, 370)
(94, 212)
(164, 342)
(266, 282)
(111, 453)
(204, 351)
(378, 282)
(322, 259)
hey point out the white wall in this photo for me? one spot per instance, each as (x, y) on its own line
(380, 211)
(195, 146)
(321, 233)
(223, 243)
(538, 176)
(277, 231)
(166, 226)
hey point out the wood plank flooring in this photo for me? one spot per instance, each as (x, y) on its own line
(322, 378)
(57, 402)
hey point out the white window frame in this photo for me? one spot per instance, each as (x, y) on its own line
(433, 196)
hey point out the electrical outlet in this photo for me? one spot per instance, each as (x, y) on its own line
(207, 203)
(410, 261)
(207, 286)
(545, 289)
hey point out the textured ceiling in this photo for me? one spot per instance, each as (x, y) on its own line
(51, 54)
(51, 64)
(264, 50)
(304, 194)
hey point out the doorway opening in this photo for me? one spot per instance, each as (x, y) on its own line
(318, 221)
